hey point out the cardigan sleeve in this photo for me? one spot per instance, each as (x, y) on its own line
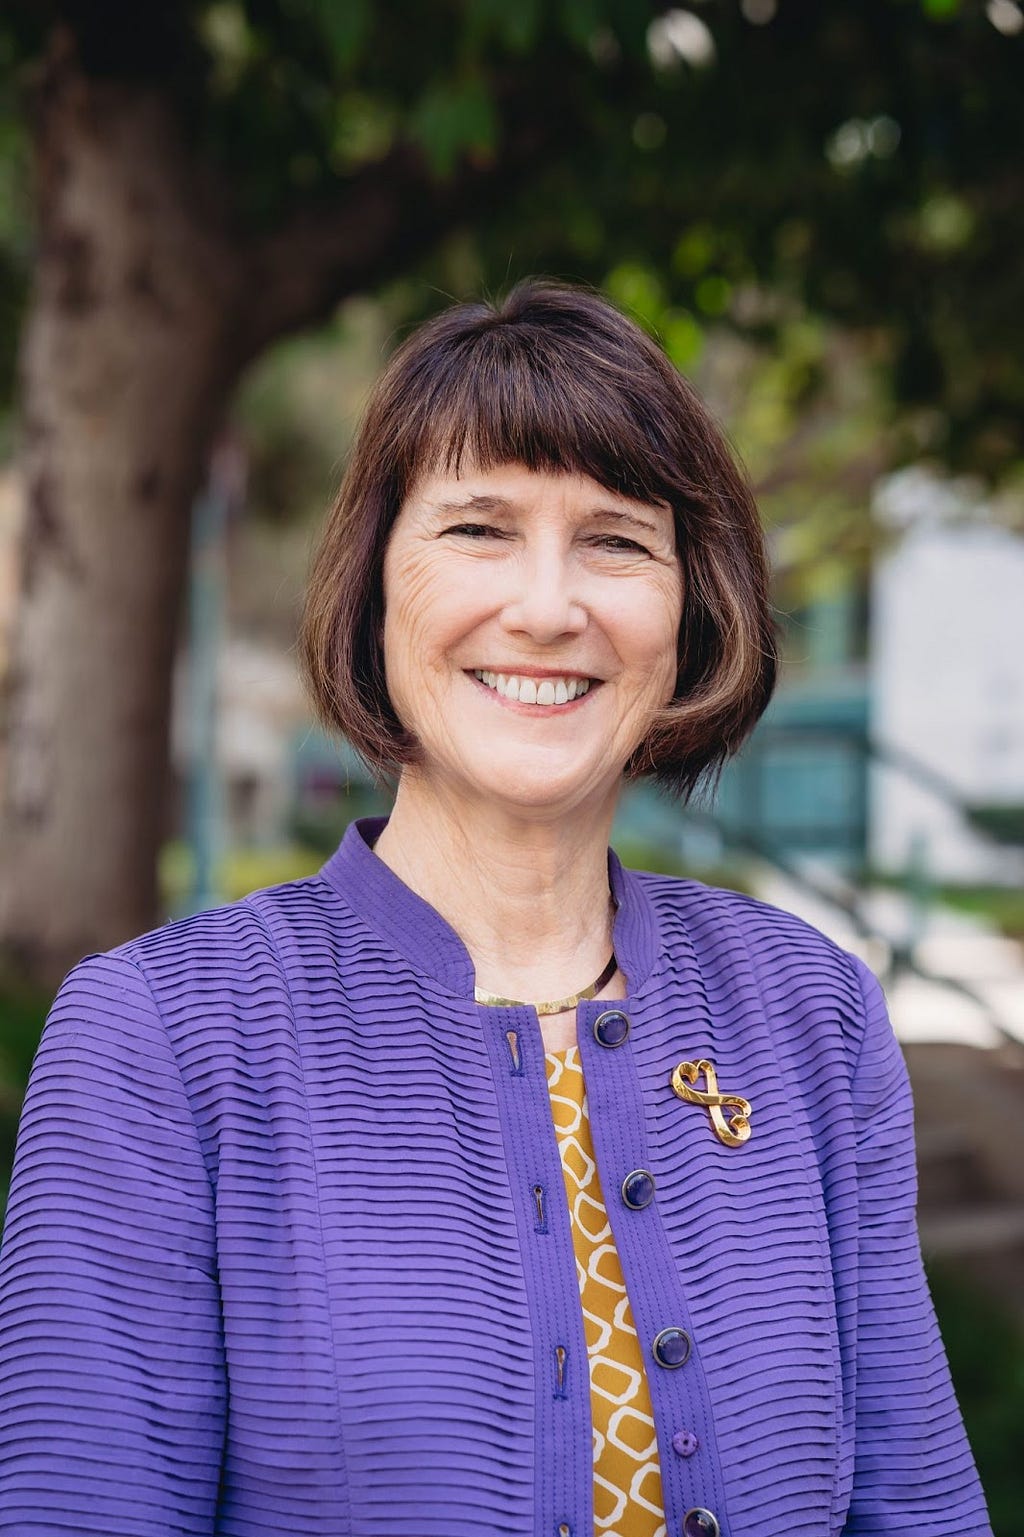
(112, 1386)
(913, 1469)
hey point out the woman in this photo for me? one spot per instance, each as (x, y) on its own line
(289, 1246)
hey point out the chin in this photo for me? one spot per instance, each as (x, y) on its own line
(542, 787)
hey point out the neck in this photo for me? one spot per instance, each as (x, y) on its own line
(528, 896)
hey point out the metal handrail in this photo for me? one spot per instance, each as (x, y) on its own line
(931, 779)
(901, 958)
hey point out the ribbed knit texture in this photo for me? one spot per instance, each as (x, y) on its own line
(272, 1263)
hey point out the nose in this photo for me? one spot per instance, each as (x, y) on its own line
(544, 603)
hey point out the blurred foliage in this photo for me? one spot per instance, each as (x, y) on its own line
(1002, 906)
(314, 835)
(298, 408)
(22, 1012)
(812, 419)
(643, 854)
(1003, 823)
(237, 873)
(985, 1346)
(757, 167)
(322, 828)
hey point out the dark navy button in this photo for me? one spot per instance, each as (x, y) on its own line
(611, 1028)
(638, 1189)
(671, 1347)
(685, 1443)
(700, 1523)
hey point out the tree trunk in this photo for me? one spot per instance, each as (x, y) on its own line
(126, 364)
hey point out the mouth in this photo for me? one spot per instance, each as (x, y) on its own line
(526, 688)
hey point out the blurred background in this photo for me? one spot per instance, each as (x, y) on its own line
(217, 219)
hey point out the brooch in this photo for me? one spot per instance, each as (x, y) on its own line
(732, 1130)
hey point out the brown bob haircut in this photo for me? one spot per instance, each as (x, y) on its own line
(554, 378)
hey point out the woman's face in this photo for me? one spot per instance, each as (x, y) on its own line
(531, 622)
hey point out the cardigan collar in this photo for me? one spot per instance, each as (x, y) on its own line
(430, 944)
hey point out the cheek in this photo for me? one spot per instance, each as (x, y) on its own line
(425, 615)
(408, 602)
(671, 624)
(665, 671)
(403, 585)
(655, 633)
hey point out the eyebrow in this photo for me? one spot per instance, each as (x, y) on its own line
(500, 505)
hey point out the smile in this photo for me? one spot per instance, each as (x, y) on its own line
(527, 690)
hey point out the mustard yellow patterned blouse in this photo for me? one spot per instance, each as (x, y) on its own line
(627, 1478)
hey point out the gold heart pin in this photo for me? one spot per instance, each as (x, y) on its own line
(732, 1130)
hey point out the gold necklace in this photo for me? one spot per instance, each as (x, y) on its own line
(557, 1005)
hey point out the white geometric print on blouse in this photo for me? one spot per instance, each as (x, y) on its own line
(627, 1476)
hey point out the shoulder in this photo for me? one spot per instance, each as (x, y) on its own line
(759, 925)
(203, 966)
(739, 940)
(225, 941)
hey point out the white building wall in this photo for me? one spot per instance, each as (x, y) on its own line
(947, 674)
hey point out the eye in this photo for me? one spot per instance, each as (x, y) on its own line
(475, 531)
(617, 542)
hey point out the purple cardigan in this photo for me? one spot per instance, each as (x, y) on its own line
(287, 1249)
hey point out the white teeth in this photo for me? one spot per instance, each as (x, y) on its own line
(527, 690)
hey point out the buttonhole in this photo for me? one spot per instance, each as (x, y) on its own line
(512, 1037)
(538, 1201)
(561, 1356)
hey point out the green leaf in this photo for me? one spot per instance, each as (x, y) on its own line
(637, 289)
(713, 294)
(515, 25)
(521, 22)
(682, 338)
(364, 129)
(694, 251)
(451, 118)
(581, 19)
(345, 25)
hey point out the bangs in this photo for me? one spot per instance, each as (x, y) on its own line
(508, 397)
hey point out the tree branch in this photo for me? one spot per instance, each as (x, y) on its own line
(381, 220)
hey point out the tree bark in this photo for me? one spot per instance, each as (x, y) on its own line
(125, 367)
